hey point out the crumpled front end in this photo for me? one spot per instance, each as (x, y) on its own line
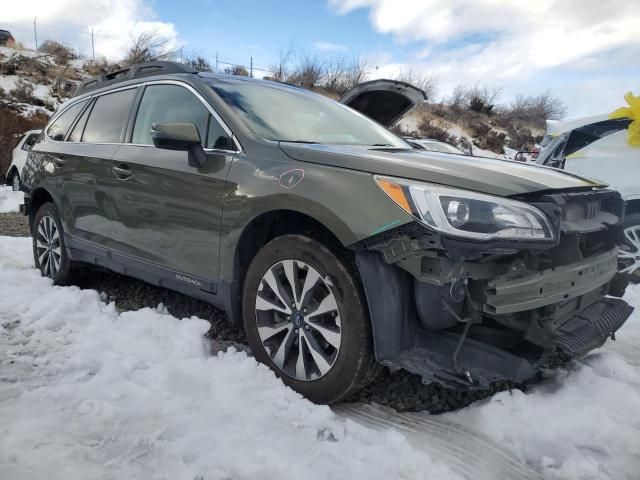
(468, 314)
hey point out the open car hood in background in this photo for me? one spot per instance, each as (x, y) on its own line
(385, 101)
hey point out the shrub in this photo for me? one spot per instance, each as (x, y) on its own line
(61, 52)
(198, 63)
(23, 91)
(99, 67)
(237, 70)
(429, 129)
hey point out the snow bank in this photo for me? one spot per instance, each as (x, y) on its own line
(582, 424)
(9, 200)
(87, 392)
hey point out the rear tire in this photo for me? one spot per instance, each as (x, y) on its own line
(49, 252)
(629, 256)
(317, 339)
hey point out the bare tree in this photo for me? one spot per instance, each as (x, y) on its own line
(237, 70)
(520, 104)
(334, 74)
(198, 63)
(149, 47)
(61, 52)
(308, 71)
(458, 97)
(355, 73)
(548, 106)
(427, 83)
(280, 68)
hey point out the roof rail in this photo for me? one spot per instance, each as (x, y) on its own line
(129, 73)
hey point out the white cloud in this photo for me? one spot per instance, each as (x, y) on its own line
(503, 41)
(114, 22)
(330, 47)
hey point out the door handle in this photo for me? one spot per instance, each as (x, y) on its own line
(59, 162)
(122, 172)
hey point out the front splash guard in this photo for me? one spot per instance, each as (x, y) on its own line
(400, 342)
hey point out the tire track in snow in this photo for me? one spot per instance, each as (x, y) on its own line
(467, 452)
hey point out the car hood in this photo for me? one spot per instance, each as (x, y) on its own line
(385, 101)
(495, 177)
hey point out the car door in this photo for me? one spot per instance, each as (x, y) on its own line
(169, 213)
(86, 166)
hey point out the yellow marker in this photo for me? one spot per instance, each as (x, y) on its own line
(632, 112)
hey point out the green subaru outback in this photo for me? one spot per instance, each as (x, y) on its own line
(337, 246)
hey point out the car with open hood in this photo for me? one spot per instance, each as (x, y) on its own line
(334, 244)
(597, 147)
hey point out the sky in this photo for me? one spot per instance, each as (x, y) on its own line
(584, 51)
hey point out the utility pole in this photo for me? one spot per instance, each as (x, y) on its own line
(251, 68)
(35, 31)
(217, 62)
(93, 48)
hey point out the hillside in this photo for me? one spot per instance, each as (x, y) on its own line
(34, 83)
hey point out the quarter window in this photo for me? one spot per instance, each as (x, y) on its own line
(217, 137)
(59, 127)
(108, 117)
(168, 104)
(30, 141)
(76, 132)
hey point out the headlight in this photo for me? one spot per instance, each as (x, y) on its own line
(462, 213)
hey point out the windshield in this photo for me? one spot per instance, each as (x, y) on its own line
(279, 112)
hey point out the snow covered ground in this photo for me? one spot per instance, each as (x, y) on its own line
(9, 200)
(87, 392)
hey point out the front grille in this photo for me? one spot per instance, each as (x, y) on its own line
(590, 224)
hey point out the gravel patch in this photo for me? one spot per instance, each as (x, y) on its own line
(14, 224)
(399, 390)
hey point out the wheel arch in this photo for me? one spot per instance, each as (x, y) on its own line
(12, 170)
(262, 229)
(37, 198)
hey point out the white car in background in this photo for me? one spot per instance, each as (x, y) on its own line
(434, 145)
(437, 146)
(19, 157)
(597, 147)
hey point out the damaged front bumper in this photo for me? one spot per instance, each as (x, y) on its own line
(497, 314)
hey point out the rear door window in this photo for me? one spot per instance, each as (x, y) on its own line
(108, 117)
(168, 104)
(59, 127)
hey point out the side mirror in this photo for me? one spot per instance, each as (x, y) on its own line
(182, 137)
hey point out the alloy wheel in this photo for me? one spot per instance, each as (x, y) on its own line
(298, 320)
(629, 255)
(15, 183)
(48, 247)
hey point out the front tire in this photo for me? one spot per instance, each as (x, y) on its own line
(49, 252)
(305, 316)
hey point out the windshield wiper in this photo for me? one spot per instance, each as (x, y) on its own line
(382, 145)
(298, 141)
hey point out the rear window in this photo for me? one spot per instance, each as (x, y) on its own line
(59, 127)
(108, 117)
